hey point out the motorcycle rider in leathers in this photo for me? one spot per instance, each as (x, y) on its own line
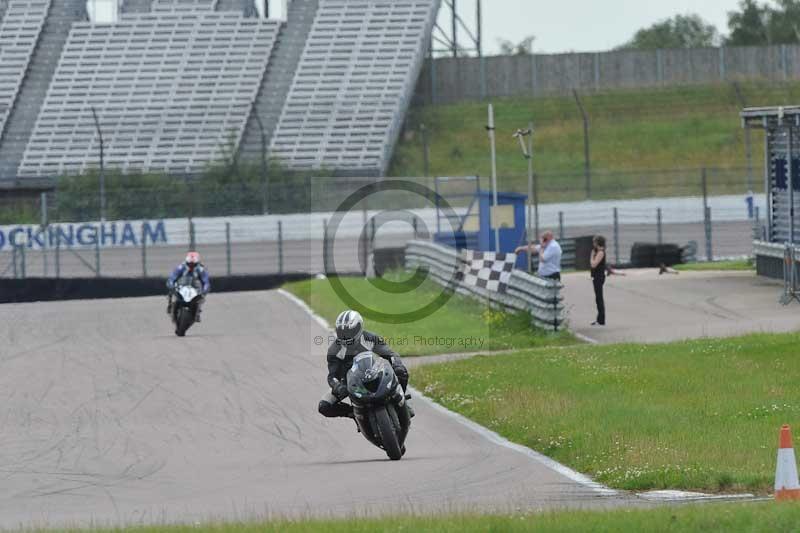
(351, 340)
(195, 271)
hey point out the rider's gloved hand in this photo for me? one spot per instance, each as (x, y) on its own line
(400, 371)
(340, 391)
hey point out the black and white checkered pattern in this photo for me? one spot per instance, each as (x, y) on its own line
(487, 270)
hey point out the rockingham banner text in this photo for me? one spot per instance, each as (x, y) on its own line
(84, 235)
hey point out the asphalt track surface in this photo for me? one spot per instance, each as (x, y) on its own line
(729, 239)
(643, 306)
(108, 418)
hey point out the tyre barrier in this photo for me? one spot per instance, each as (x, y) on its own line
(647, 255)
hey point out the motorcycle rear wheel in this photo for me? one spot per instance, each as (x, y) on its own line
(388, 433)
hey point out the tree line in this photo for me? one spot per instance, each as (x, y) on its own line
(753, 23)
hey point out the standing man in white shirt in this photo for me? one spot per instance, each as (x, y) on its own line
(549, 256)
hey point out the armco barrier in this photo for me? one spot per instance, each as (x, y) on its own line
(48, 289)
(539, 297)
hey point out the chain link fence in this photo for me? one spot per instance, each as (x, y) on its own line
(146, 234)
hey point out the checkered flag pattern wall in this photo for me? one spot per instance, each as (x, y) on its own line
(487, 270)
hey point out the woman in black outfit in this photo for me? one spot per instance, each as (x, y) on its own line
(598, 262)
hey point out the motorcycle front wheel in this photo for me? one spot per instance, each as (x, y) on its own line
(183, 321)
(388, 433)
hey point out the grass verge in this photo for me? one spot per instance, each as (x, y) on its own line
(696, 415)
(461, 325)
(743, 264)
(763, 516)
(638, 140)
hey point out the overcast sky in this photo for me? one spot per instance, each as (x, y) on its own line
(559, 25)
(580, 25)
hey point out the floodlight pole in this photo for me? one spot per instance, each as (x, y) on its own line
(532, 189)
(493, 212)
(102, 168)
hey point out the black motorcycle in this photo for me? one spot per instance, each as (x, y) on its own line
(184, 305)
(379, 404)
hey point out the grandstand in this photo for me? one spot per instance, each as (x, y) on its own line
(180, 84)
(353, 85)
(30, 31)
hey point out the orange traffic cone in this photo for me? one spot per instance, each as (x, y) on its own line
(786, 483)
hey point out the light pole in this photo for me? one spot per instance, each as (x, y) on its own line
(533, 193)
(494, 214)
(102, 168)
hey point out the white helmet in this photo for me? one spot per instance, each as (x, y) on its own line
(349, 326)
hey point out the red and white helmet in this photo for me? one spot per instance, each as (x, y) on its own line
(192, 259)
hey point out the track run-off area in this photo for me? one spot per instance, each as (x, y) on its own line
(106, 417)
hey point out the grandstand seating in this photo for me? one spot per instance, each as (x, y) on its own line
(171, 90)
(278, 78)
(20, 27)
(353, 85)
(178, 5)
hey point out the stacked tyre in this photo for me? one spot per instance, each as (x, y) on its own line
(647, 255)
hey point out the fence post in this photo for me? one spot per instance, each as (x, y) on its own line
(616, 236)
(484, 85)
(14, 260)
(560, 225)
(228, 247)
(709, 248)
(144, 254)
(704, 187)
(192, 242)
(43, 209)
(597, 71)
(58, 254)
(426, 151)
(659, 226)
(97, 255)
(660, 66)
(587, 165)
(325, 246)
(22, 262)
(280, 247)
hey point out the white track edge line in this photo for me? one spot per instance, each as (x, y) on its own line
(486, 433)
(304, 306)
(499, 440)
(585, 338)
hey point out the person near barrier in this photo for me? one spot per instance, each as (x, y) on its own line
(549, 256)
(598, 263)
(190, 272)
(351, 340)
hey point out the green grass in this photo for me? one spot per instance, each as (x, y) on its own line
(698, 415)
(640, 139)
(743, 264)
(750, 517)
(461, 325)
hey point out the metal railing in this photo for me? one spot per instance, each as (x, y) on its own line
(537, 296)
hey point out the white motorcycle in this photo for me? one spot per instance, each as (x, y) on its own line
(185, 307)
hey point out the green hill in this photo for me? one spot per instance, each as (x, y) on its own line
(643, 142)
